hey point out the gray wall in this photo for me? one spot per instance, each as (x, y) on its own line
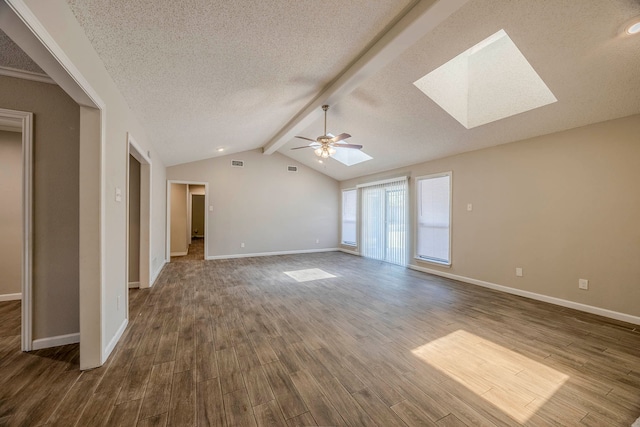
(134, 220)
(562, 206)
(10, 212)
(264, 206)
(55, 204)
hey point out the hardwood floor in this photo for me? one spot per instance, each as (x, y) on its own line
(240, 343)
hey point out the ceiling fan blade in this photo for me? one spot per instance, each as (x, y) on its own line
(357, 146)
(304, 146)
(308, 139)
(340, 137)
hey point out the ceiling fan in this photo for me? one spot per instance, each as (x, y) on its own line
(326, 144)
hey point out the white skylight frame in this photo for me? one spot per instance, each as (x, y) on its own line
(350, 156)
(489, 81)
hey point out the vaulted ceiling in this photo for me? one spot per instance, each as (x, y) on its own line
(243, 75)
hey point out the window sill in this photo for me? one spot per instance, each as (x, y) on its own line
(433, 262)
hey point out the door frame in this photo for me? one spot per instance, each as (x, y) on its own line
(134, 150)
(24, 121)
(206, 217)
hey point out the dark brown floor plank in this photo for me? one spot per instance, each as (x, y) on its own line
(210, 404)
(238, 409)
(182, 410)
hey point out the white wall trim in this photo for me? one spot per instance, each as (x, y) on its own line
(11, 297)
(179, 253)
(302, 251)
(55, 62)
(146, 203)
(532, 295)
(25, 75)
(348, 251)
(134, 285)
(156, 274)
(24, 121)
(55, 341)
(112, 344)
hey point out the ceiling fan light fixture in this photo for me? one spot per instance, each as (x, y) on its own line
(318, 151)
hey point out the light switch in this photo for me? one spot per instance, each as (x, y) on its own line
(118, 194)
(210, 208)
(469, 207)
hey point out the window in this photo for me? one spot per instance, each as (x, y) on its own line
(433, 242)
(349, 208)
(384, 211)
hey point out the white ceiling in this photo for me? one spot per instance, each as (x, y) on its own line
(204, 75)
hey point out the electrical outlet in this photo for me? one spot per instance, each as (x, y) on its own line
(242, 245)
(583, 284)
(469, 207)
(317, 240)
(519, 271)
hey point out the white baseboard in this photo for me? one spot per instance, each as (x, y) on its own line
(11, 297)
(55, 341)
(134, 285)
(350, 252)
(112, 344)
(303, 251)
(636, 423)
(179, 253)
(539, 297)
(156, 274)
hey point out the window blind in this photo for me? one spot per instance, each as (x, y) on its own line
(349, 210)
(384, 217)
(434, 215)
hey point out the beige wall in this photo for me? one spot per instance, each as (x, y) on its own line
(55, 202)
(562, 206)
(264, 206)
(10, 212)
(179, 228)
(134, 220)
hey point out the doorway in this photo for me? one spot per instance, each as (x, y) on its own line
(187, 220)
(16, 217)
(384, 221)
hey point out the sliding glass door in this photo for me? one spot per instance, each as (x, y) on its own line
(384, 218)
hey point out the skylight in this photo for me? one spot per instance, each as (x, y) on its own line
(350, 157)
(490, 81)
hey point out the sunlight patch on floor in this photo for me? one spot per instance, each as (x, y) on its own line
(309, 274)
(513, 383)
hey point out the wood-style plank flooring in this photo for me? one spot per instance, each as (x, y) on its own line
(240, 343)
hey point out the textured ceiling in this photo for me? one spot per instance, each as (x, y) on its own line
(207, 74)
(11, 56)
(204, 75)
